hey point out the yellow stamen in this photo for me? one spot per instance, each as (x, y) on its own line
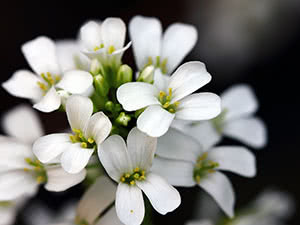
(136, 169)
(83, 145)
(91, 140)
(42, 86)
(111, 49)
(127, 175)
(132, 182)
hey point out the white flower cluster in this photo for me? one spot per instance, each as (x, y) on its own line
(171, 132)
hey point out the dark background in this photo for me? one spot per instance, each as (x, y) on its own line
(268, 60)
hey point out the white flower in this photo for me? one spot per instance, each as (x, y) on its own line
(129, 166)
(75, 149)
(94, 202)
(236, 120)
(20, 171)
(170, 98)
(270, 208)
(41, 85)
(166, 51)
(183, 162)
(104, 41)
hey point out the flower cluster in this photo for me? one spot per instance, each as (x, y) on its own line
(171, 130)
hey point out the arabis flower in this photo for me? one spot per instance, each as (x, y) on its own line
(42, 85)
(183, 162)
(170, 98)
(236, 120)
(20, 171)
(271, 207)
(89, 211)
(104, 41)
(166, 51)
(75, 149)
(130, 167)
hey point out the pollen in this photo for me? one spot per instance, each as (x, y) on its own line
(91, 140)
(131, 178)
(111, 49)
(165, 100)
(83, 145)
(203, 167)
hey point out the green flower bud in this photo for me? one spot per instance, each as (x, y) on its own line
(147, 74)
(123, 119)
(95, 67)
(124, 75)
(110, 106)
(100, 85)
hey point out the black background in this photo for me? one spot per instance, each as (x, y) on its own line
(273, 77)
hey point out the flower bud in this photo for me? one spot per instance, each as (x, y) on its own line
(147, 74)
(124, 75)
(95, 67)
(101, 86)
(123, 119)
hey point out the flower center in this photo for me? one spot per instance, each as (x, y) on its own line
(131, 178)
(48, 81)
(203, 167)
(165, 101)
(78, 137)
(218, 122)
(38, 170)
(162, 64)
(110, 49)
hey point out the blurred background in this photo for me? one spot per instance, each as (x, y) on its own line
(241, 41)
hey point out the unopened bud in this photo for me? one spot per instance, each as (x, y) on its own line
(123, 119)
(110, 106)
(147, 74)
(124, 75)
(95, 67)
(101, 86)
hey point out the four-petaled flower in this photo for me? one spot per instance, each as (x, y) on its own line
(104, 41)
(170, 98)
(20, 172)
(184, 162)
(43, 87)
(130, 167)
(165, 52)
(75, 149)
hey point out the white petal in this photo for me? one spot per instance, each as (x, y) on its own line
(175, 172)
(141, 29)
(220, 188)
(76, 81)
(177, 145)
(137, 95)
(16, 183)
(141, 148)
(90, 35)
(235, 159)
(161, 80)
(40, 54)
(163, 197)
(23, 84)
(98, 128)
(239, 101)
(155, 121)
(22, 123)
(79, 110)
(114, 157)
(50, 102)
(48, 147)
(13, 154)
(75, 158)
(130, 204)
(110, 218)
(70, 57)
(251, 131)
(187, 79)
(204, 132)
(178, 41)
(113, 32)
(96, 199)
(200, 106)
(60, 180)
